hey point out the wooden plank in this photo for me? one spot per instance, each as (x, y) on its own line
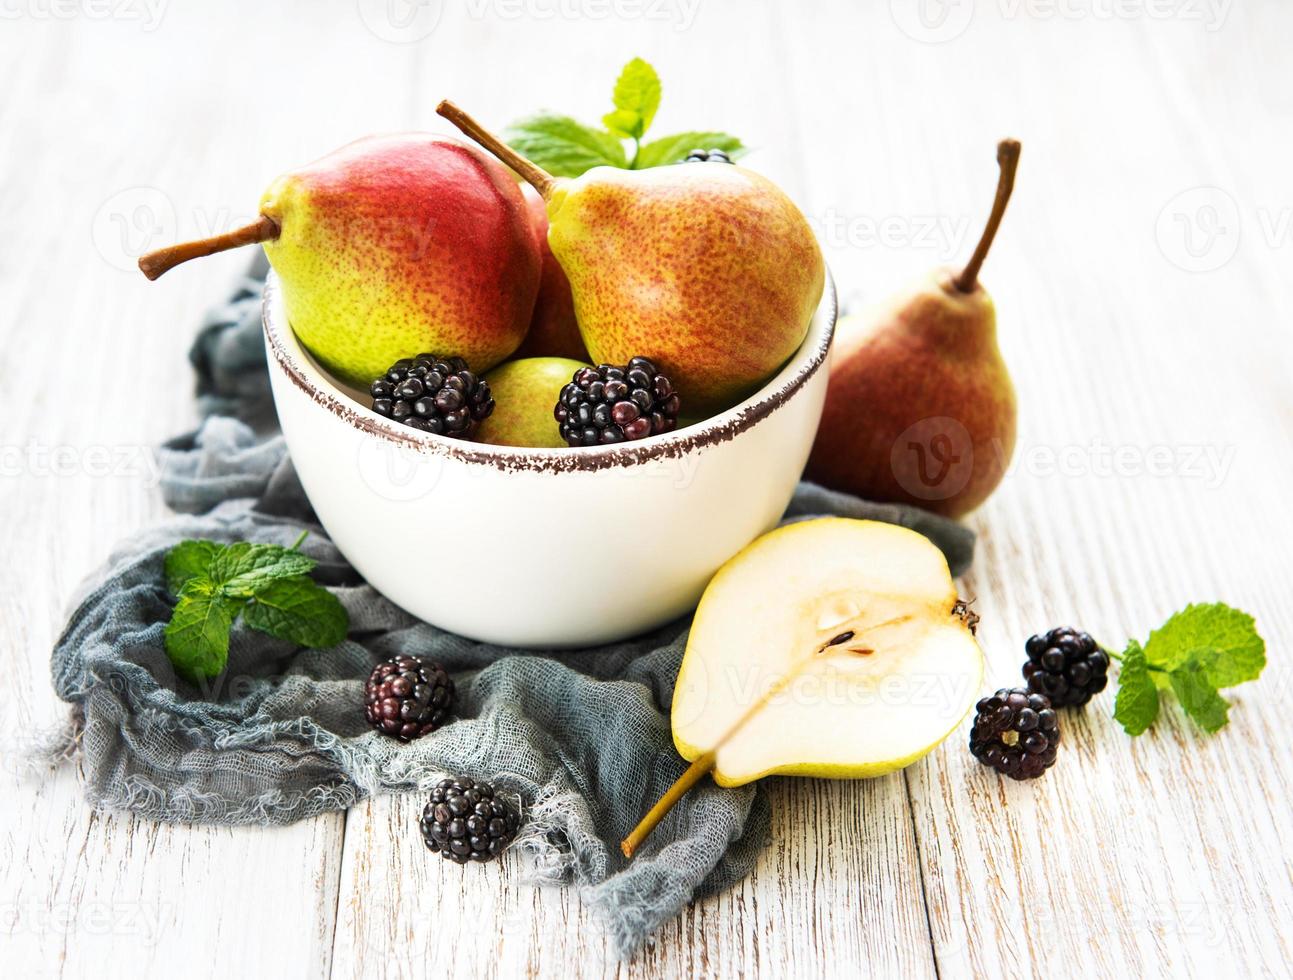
(826, 891)
(110, 131)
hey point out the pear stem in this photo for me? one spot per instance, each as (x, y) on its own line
(540, 179)
(1008, 159)
(706, 762)
(695, 772)
(157, 263)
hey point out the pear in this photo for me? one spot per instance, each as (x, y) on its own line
(708, 269)
(393, 245)
(920, 407)
(554, 330)
(830, 647)
(525, 392)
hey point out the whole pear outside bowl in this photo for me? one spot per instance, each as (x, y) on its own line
(544, 547)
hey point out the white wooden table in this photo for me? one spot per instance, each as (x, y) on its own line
(1142, 280)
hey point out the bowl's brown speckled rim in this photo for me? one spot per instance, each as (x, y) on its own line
(311, 379)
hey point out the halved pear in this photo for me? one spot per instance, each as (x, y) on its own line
(831, 647)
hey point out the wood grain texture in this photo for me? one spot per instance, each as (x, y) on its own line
(1156, 423)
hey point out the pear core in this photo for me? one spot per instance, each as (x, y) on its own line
(830, 647)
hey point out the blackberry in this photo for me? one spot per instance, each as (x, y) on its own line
(609, 404)
(1066, 665)
(1016, 733)
(433, 394)
(707, 156)
(464, 821)
(407, 697)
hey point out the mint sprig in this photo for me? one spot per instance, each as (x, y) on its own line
(197, 637)
(1196, 653)
(636, 96)
(267, 584)
(671, 149)
(1136, 705)
(565, 147)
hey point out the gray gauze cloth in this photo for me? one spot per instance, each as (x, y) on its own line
(580, 738)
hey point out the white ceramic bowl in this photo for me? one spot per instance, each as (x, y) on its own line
(544, 547)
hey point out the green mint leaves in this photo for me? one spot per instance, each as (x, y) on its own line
(241, 569)
(671, 149)
(1230, 636)
(267, 584)
(1136, 705)
(1195, 653)
(197, 637)
(566, 147)
(636, 97)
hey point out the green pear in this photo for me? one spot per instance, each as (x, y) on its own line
(390, 246)
(525, 392)
(833, 647)
(708, 269)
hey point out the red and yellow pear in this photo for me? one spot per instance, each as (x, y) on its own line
(390, 246)
(708, 269)
(920, 407)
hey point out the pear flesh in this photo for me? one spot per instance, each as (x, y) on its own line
(831, 647)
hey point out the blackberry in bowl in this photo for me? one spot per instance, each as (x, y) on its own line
(433, 395)
(707, 156)
(607, 404)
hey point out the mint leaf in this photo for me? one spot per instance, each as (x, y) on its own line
(1136, 706)
(267, 583)
(563, 146)
(566, 147)
(241, 569)
(671, 149)
(636, 98)
(197, 637)
(299, 611)
(188, 560)
(1193, 687)
(1204, 647)
(1230, 634)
